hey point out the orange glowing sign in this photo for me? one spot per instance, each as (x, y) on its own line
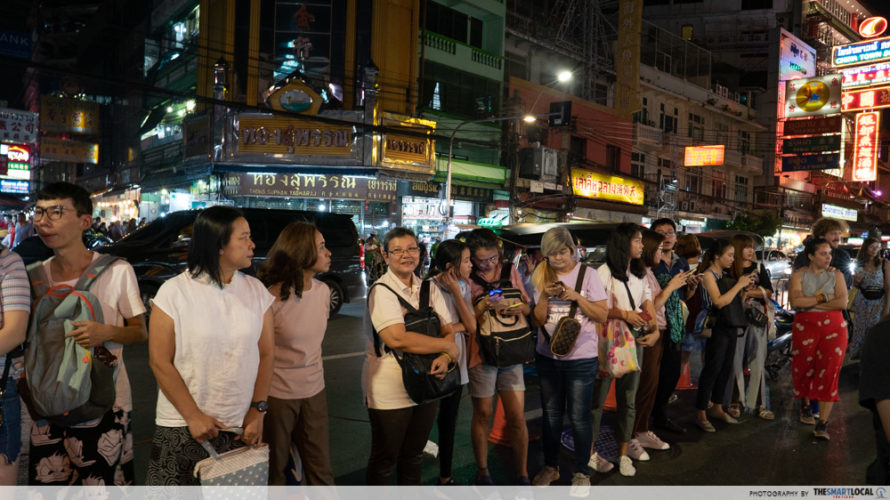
(865, 150)
(872, 27)
(702, 156)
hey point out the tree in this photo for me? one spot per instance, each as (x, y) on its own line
(765, 224)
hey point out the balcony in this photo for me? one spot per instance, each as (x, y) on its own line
(455, 54)
(645, 135)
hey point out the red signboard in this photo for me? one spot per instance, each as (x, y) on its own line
(865, 150)
(812, 127)
(856, 100)
(872, 27)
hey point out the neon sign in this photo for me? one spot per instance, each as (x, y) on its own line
(870, 51)
(872, 27)
(865, 150)
(866, 99)
(863, 76)
(701, 156)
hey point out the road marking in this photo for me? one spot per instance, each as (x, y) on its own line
(342, 356)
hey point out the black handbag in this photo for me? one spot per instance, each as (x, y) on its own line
(755, 315)
(568, 328)
(731, 315)
(421, 386)
(872, 293)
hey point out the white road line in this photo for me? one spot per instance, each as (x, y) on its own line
(345, 355)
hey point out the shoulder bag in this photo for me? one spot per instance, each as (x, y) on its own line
(568, 328)
(617, 348)
(244, 466)
(504, 340)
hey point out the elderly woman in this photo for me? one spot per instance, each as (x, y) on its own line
(819, 336)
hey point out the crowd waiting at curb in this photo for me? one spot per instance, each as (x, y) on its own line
(238, 363)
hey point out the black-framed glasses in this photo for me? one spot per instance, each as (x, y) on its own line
(399, 251)
(490, 260)
(667, 233)
(54, 212)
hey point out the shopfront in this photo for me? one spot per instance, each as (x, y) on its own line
(117, 204)
(607, 198)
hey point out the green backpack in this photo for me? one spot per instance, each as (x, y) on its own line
(63, 382)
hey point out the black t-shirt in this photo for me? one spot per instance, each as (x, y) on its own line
(763, 277)
(874, 371)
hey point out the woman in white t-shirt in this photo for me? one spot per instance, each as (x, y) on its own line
(210, 348)
(451, 268)
(298, 407)
(630, 299)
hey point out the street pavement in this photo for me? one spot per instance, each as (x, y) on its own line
(754, 452)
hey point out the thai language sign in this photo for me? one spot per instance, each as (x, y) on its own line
(839, 212)
(865, 149)
(871, 51)
(596, 186)
(701, 156)
(272, 135)
(817, 144)
(337, 187)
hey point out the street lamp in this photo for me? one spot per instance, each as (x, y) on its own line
(526, 118)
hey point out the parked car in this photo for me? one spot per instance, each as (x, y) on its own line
(591, 237)
(778, 264)
(159, 250)
(32, 249)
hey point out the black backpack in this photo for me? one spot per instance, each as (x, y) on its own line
(420, 385)
(504, 340)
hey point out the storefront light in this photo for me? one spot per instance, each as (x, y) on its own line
(181, 112)
(190, 105)
(321, 207)
(169, 109)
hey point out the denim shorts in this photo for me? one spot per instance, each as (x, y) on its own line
(485, 380)
(11, 428)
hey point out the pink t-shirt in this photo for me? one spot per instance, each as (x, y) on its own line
(300, 324)
(656, 289)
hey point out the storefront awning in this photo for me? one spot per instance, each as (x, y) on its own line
(467, 173)
(611, 206)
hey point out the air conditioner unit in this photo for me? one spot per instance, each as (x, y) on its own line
(538, 163)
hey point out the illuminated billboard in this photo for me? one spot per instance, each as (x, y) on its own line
(819, 95)
(856, 100)
(703, 156)
(587, 184)
(839, 212)
(863, 76)
(872, 27)
(867, 52)
(865, 149)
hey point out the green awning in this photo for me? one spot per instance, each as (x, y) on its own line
(467, 173)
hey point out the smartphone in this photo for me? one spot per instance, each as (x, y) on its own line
(645, 316)
(496, 294)
(511, 306)
(692, 269)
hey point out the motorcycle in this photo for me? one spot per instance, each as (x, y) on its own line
(778, 350)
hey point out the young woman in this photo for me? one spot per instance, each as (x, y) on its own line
(652, 355)
(15, 305)
(298, 407)
(451, 271)
(726, 301)
(819, 334)
(213, 368)
(870, 304)
(566, 381)
(752, 345)
(487, 380)
(630, 300)
(399, 426)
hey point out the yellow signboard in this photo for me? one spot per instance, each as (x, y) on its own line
(68, 115)
(701, 156)
(57, 149)
(274, 135)
(596, 186)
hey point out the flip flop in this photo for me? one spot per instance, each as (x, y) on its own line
(766, 414)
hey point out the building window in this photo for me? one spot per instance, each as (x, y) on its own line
(601, 94)
(686, 32)
(436, 102)
(637, 165)
(577, 149)
(718, 186)
(668, 122)
(693, 180)
(613, 157)
(741, 189)
(665, 164)
(744, 142)
(696, 127)
(722, 134)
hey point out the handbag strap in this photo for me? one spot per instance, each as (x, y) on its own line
(211, 450)
(7, 362)
(424, 302)
(630, 296)
(578, 284)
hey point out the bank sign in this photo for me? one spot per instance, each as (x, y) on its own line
(868, 52)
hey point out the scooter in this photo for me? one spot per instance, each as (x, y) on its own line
(778, 350)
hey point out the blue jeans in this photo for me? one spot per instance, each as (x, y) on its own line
(11, 428)
(567, 385)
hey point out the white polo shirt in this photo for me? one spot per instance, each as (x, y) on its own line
(382, 376)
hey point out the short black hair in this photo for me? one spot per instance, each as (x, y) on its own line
(662, 221)
(397, 232)
(811, 244)
(212, 231)
(79, 196)
(482, 238)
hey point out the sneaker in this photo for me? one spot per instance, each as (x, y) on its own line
(806, 416)
(600, 464)
(546, 476)
(580, 485)
(649, 440)
(705, 425)
(636, 451)
(821, 431)
(626, 467)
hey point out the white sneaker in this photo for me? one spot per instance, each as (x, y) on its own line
(636, 451)
(546, 476)
(626, 467)
(649, 440)
(600, 464)
(580, 485)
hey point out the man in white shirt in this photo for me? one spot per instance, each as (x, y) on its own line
(98, 451)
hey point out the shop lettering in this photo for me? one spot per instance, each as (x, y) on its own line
(303, 181)
(375, 185)
(411, 147)
(296, 138)
(595, 188)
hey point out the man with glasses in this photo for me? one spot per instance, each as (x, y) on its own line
(99, 451)
(671, 358)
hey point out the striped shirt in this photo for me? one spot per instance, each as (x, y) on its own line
(15, 289)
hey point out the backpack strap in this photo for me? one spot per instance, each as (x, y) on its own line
(407, 305)
(505, 271)
(95, 270)
(39, 280)
(424, 294)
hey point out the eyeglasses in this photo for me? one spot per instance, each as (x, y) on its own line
(54, 213)
(399, 251)
(667, 233)
(490, 260)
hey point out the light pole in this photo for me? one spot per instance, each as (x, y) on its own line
(526, 118)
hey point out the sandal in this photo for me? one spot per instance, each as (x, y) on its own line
(766, 414)
(734, 411)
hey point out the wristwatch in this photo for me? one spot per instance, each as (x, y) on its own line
(261, 406)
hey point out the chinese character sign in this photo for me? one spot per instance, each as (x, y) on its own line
(870, 98)
(588, 184)
(18, 126)
(701, 156)
(865, 150)
(813, 96)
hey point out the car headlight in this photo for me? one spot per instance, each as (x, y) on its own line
(787, 271)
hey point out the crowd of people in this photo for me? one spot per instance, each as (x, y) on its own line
(247, 369)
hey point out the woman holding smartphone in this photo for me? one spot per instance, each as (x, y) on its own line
(724, 298)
